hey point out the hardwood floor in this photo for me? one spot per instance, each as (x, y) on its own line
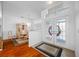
(19, 51)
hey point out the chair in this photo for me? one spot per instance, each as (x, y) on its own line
(10, 36)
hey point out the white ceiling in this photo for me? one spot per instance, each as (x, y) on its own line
(27, 9)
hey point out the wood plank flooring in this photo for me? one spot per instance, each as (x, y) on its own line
(24, 51)
(19, 51)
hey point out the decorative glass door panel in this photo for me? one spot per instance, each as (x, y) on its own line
(56, 30)
(61, 37)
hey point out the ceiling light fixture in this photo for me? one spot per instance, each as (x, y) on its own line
(50, 2)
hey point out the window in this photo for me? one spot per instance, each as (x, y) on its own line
(61, 37)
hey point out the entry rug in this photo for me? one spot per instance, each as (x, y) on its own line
(50, 50)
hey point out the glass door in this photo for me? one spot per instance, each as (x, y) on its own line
(55, 30)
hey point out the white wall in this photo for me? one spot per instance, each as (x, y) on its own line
(77, 29)
(1, 19)
(35, 35)
(77, 36)
(9, 24)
